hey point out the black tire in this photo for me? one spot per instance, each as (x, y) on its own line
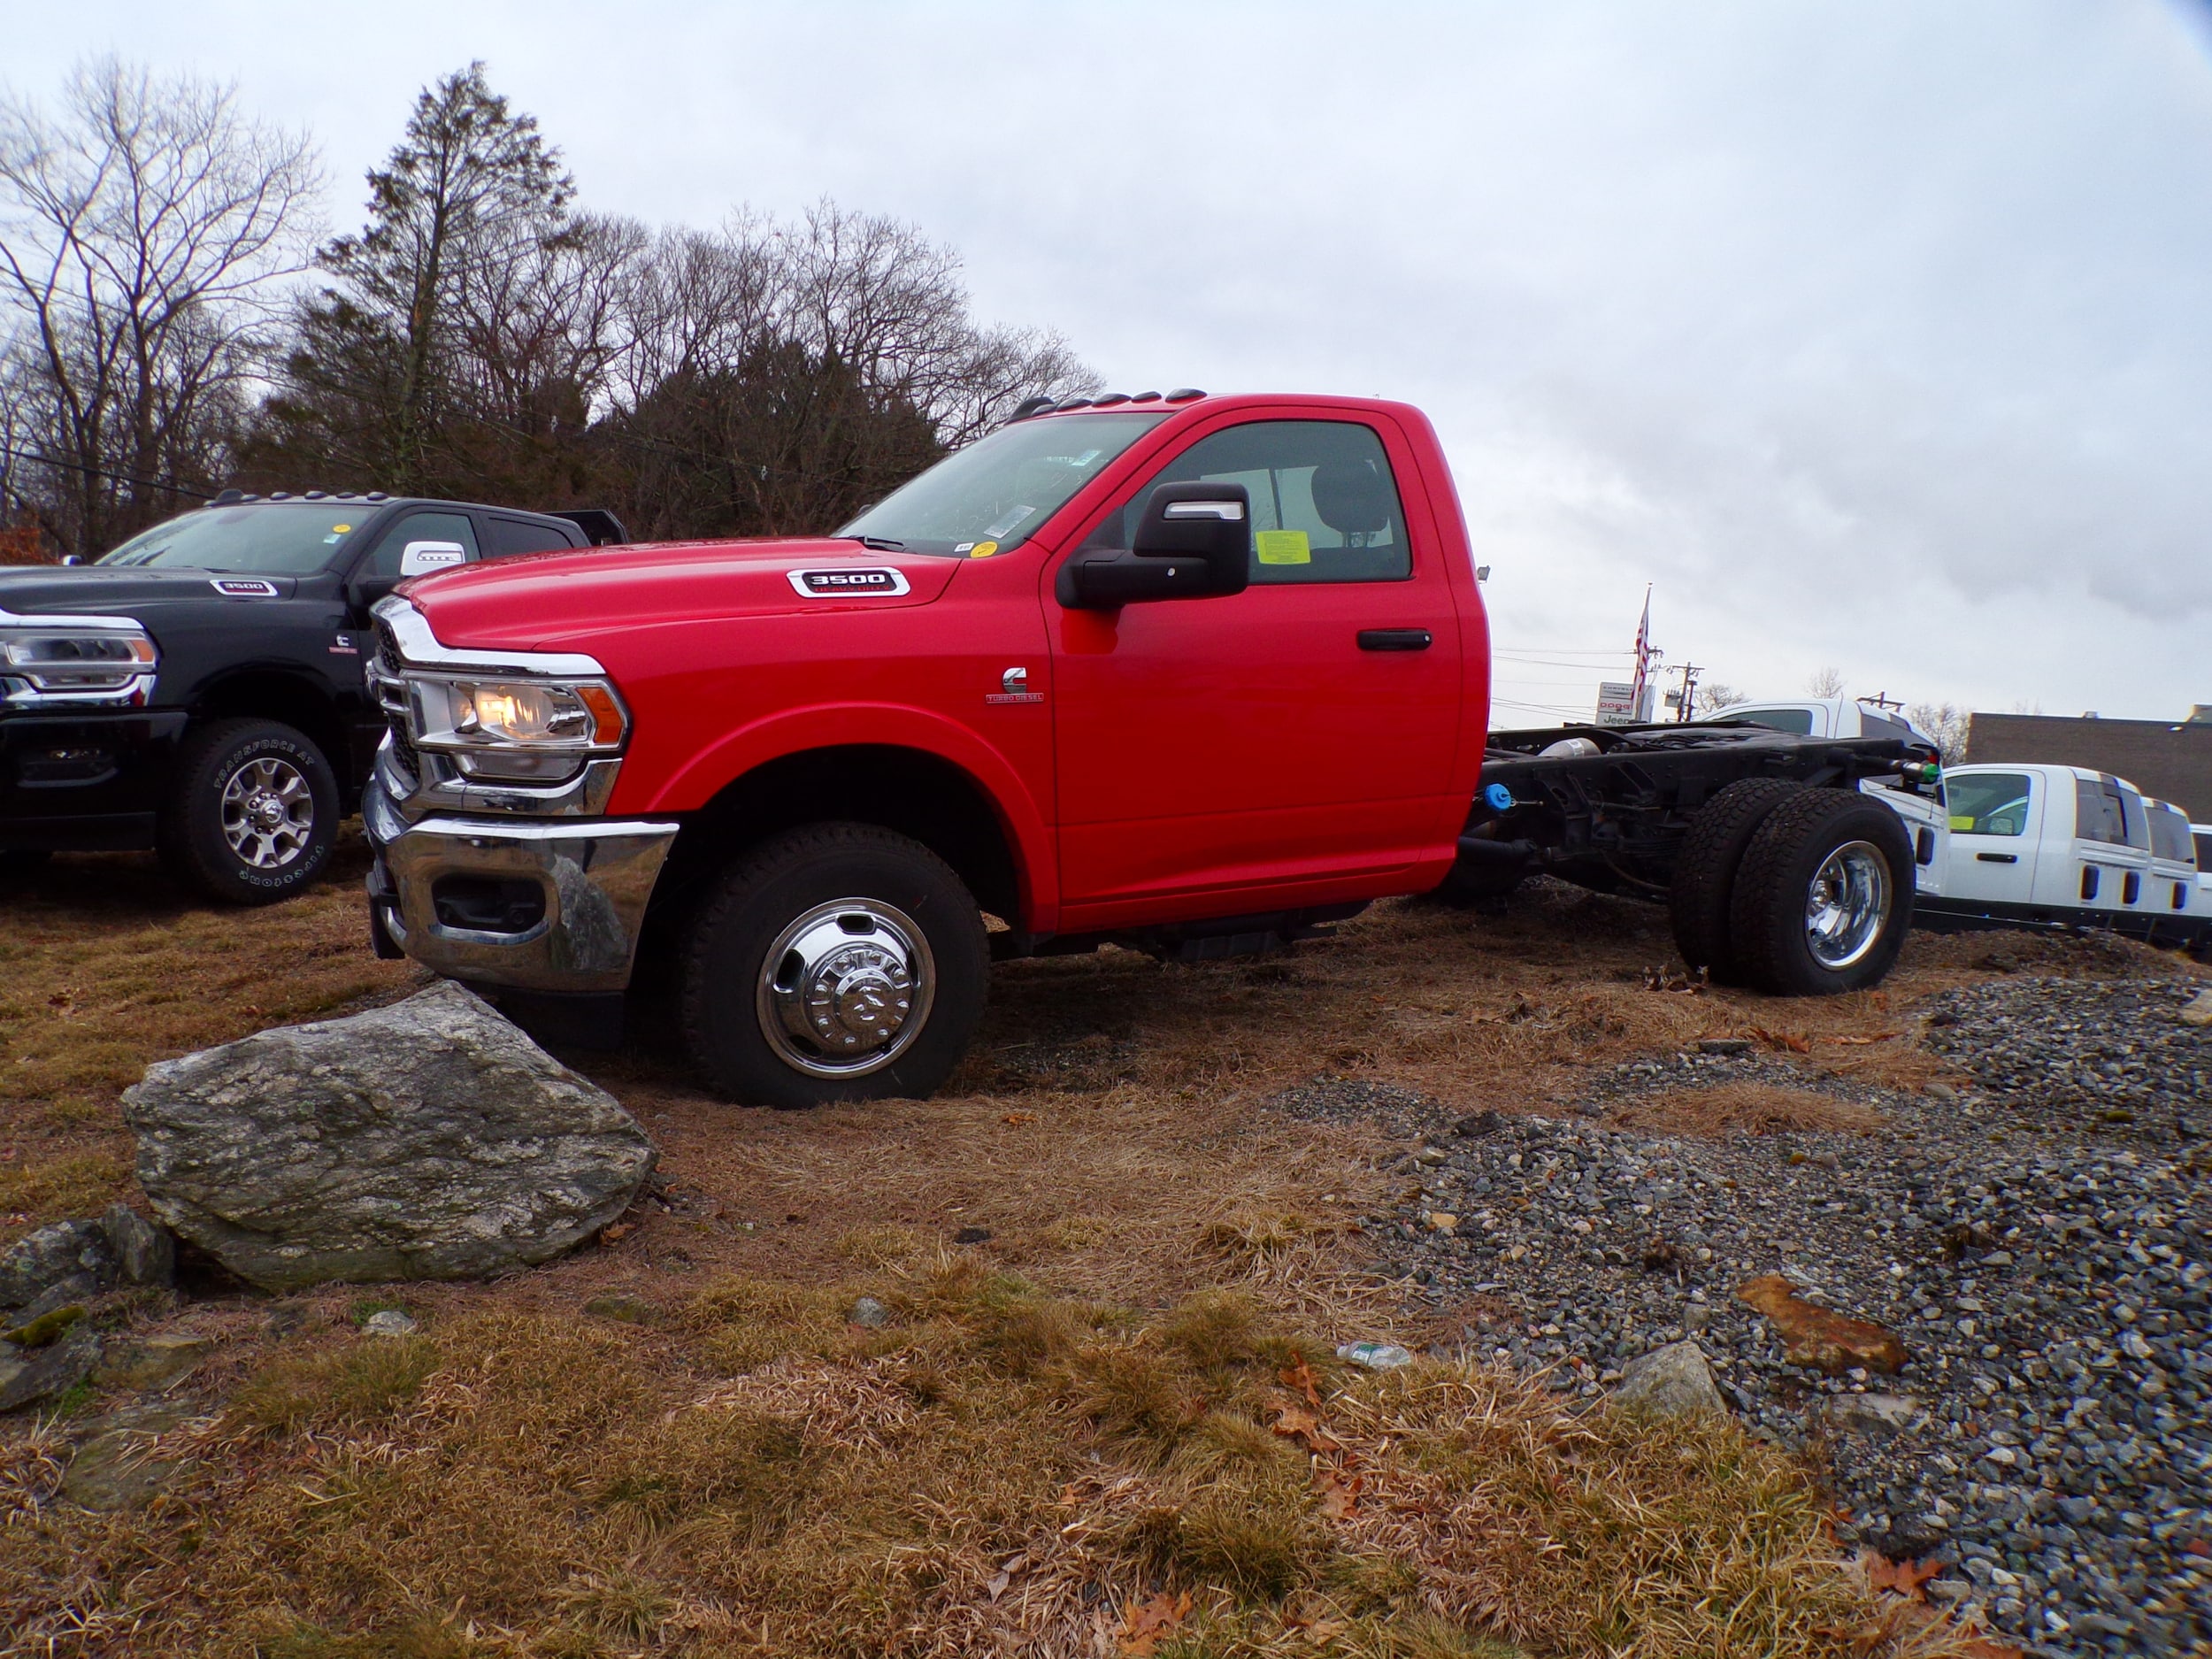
(1770, 928)
(253, 813)
(1705, 871)
(731, 993)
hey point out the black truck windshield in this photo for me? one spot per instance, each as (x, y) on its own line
(267, 538)
(993, 495)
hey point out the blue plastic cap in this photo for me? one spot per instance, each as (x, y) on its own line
(1499, 798)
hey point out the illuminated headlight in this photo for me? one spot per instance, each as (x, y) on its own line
(518, 730)
(110, 663)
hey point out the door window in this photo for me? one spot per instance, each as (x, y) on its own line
(382, 564)
(1987, 803)
(503, 537)
(1799, 722)
(2101, 814)
(1325, 507)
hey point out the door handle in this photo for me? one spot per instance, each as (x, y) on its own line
(1395, 639)
(1998, 859)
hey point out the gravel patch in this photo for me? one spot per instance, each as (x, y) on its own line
(2039, 1240)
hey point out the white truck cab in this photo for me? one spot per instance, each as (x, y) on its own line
(2049, 846)
(1823, 717)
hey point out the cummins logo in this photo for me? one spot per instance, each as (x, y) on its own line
(832, 584)
(243, 588)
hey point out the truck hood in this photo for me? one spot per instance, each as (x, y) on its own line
(560, 600)
(90, 591)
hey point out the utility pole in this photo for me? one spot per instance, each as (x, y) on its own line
(1685, 701)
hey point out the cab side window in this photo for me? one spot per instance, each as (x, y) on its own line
(1324, 506)
(382, 564)
(2100, 813)
(503, 537)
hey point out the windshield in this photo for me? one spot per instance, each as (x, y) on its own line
(992, 496)
(267, 538)
(1799, 722)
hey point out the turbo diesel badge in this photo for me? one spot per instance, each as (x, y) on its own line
(834, 584)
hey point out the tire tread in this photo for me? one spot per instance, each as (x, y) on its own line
(1706, 870)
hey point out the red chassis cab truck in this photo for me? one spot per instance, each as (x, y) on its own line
(1195, 674)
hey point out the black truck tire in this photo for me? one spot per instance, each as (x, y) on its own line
(1823, 895)
(253, 813)
(836, 962)
(1705, 871)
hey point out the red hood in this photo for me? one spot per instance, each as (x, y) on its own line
(554, 601)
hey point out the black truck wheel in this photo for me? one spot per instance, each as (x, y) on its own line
(1823, 895)
(253, 814)
(1705, 871)
(839, 962)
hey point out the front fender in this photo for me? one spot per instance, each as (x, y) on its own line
(838, 726)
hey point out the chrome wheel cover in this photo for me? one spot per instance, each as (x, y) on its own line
(846, 988)
(268, 813)
(1846, 905)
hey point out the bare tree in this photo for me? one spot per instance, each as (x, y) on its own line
(1715, 696)
(1824, 682)
(1947, 724)
(142, 232)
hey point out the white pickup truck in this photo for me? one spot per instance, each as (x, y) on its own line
(2011, 845)
(1821, 717)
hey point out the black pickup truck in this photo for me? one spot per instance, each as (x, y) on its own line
(199, 690)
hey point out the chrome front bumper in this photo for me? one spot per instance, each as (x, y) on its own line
(595, 876)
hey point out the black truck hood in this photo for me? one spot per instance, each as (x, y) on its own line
(92, 590)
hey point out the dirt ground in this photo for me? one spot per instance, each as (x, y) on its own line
(1155, 1230)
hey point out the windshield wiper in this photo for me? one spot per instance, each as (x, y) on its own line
(881, 543)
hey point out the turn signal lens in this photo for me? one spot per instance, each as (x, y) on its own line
(606, 716)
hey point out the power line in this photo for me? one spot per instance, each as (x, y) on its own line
(170, 485)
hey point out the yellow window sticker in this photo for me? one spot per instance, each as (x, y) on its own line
(982, 549)
(1284, 547)
(340, 529)
(1958, 823)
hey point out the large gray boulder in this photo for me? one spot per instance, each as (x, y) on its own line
(427, 1140)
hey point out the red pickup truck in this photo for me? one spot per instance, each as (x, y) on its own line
(1197, 674)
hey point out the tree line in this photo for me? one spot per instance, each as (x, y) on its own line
(171, 325)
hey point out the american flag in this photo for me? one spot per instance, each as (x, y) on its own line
(1643, 656)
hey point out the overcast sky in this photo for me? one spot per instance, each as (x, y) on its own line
(1871, 334)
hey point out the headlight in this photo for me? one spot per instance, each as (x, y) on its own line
(76, 660)
(519, 730)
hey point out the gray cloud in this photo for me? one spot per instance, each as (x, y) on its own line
(1871, 334)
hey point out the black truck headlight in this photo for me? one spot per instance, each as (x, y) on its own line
(78, 660)
(519, 730)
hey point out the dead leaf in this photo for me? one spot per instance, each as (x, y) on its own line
(1299, 1375)
(1821, 1337)
(1860, 1042)
(1900, 1577)
(615, 1231)
(1785, 1040)
(1340, 1492)
(1295, 1422)
(1144, 1623)
(1019, 1117)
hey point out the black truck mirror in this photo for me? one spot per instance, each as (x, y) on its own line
(1193, 540)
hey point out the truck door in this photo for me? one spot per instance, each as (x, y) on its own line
(2110, 863)
(1996, 824)
(1290, 744)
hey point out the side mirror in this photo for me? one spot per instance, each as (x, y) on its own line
(1193, 541)
(419, 558)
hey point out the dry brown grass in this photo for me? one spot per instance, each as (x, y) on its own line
(998, 1472)
(1747, 1109)
(737, 1469)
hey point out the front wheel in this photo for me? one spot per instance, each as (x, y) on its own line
(1823, 895)
(840, 962)
(254, 812)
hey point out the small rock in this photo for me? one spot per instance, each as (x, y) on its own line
(144, 1253)
(1375, 1356)
(153, 1361)
(1820, 1337)
(49, 1327)
(389, 1322)
(1696, 1316)
(73, 1257)
(1871, 1414)
(111, 1472)
(2199, 1012)
(1724, 1045)
(623, 1308)
(1670, 1381)
(972, 1235)
(1429, 1156)
(41, 1373)
(1440, 1221)
(1949, 1592)
(1483, 1123)
(870, 1312)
